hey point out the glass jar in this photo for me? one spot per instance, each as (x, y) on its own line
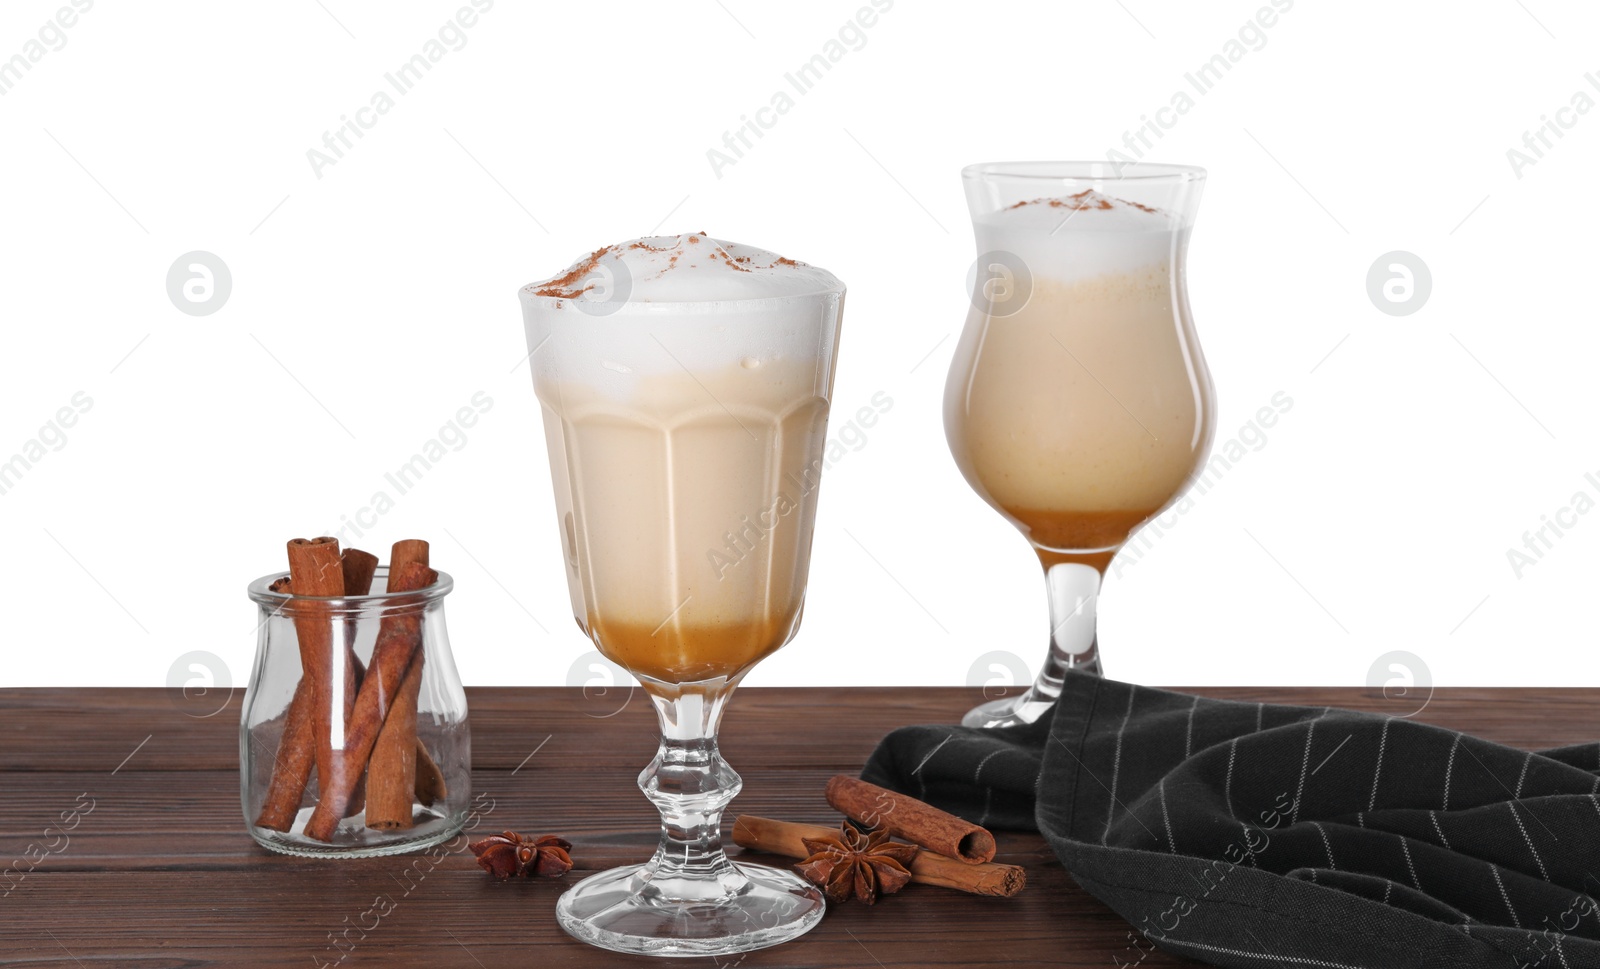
(395, 752)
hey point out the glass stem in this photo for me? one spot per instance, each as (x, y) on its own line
(690, 784)
(1074, 588)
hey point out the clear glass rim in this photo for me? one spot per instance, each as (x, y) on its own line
(1085, 171)
(638, 307)
(261, 592)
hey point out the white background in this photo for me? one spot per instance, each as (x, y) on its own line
(370, 303)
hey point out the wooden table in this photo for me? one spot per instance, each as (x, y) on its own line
(160, 872)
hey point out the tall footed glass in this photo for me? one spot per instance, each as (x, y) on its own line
(1078, 404)
(686, 443)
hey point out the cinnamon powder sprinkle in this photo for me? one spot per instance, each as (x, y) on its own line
(731, 262)
(562, 286)
(566, 286)
(1082, 202)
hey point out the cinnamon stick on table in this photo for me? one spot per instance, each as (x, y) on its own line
(399, 636)
(928, 868)
(392, 771)
(911, 819)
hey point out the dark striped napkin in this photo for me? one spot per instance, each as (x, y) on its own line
(1253, 835)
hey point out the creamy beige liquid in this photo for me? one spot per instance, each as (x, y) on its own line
(687, 511)
(1080, 416)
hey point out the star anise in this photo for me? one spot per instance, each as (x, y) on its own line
(868, 865)
(507, 854)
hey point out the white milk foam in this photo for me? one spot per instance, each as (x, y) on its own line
(692, 267)
(666, 304)
(1081, 236)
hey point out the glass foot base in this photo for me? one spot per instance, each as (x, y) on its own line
(1029, 705)
(621, 910)
(1010, 711)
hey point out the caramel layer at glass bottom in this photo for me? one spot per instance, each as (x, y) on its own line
(679, 653)
(1089, 537)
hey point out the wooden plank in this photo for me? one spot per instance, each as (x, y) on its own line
(284, 913)
(150, 819)
(161, 872)
(97, 729)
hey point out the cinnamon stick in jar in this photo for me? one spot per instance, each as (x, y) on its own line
(291, 764)
(911, 819)
(358, 567)
(399, 636)
(430, 784)
(404, 552)
(315, 569)
(291, 767)
(392, 772)
(928, 868)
